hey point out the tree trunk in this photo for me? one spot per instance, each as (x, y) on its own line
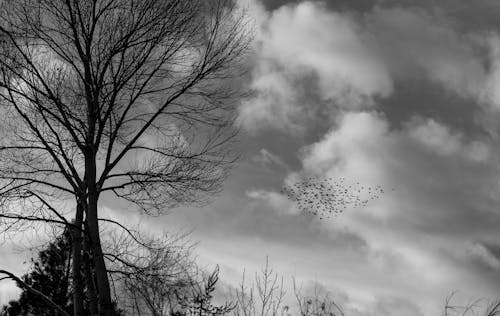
(76, 234)
(89, 279)
(103, 288)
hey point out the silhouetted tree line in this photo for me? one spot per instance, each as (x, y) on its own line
(51, 274)
(170, 284)
(177, 288)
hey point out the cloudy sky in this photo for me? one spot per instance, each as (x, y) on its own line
(404, 94)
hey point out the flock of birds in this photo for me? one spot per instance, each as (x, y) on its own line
(329, 197)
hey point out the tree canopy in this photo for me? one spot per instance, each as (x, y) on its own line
(125, 98)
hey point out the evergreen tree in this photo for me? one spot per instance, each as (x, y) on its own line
(51, 275)
(199, 303)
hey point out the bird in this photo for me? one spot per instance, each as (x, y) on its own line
(328, 197)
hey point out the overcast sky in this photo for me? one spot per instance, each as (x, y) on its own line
(404, 94)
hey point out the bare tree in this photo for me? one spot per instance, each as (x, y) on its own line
(317, 303)
(266, 296)
(128, 97)
(263, 297)
(472, 308)
(158, 276)
(151, 273)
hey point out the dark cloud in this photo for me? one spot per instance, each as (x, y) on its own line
(479, 15)
(493, 248)
(419, 97)
(340, 5)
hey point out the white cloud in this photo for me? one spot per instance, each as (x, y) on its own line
(435, 136)
(309, 37)
(346, 148)
(274, 106)
(441, 140)
(480, 252)
(491, 89)
(268, 159)
(278, 202)
(307, 49)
